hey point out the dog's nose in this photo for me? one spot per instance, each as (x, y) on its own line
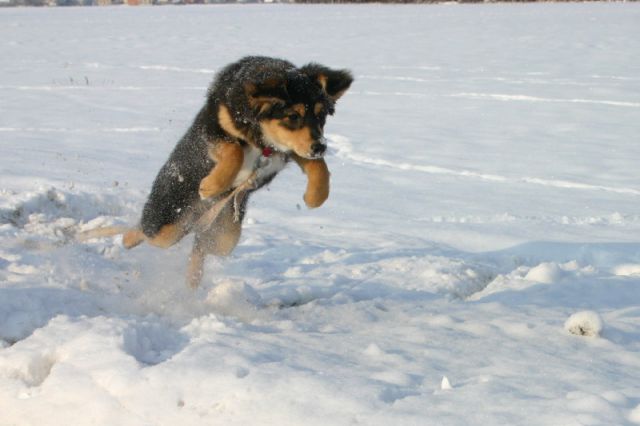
(317, 149)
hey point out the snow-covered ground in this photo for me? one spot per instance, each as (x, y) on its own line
(478, 261)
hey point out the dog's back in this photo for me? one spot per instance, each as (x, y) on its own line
(175, 189)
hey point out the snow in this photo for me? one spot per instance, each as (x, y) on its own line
(634, 417)
(484, 190)
(445, 384)
(584, 323)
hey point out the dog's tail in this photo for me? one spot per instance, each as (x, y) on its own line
(131, 237)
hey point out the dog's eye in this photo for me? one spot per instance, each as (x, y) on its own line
(294, 118)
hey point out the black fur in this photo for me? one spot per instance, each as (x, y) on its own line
(175, 189)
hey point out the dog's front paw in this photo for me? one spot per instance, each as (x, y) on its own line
(208, 189)
(316, 197)
(205, 193)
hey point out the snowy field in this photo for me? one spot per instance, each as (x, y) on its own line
(485, 188)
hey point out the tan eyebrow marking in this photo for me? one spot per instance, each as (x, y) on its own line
(300, 109)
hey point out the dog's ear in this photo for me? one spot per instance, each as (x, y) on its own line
(334, 82)
(263, 95)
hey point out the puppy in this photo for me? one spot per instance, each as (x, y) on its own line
(260, 113)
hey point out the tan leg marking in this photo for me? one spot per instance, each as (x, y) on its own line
(227, 238)
(167, 236)
(229, 158)
(196, 266)
(223, 236)
(220, 240)
(317, 180)
(132, 238)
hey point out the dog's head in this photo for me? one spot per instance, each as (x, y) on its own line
(292, 107)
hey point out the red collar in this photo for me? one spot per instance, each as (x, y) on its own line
(267, 151)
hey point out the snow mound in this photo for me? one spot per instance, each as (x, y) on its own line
(456, 278)
(584, 323)
(546, 273)
(525, 277)
(627, 270)
(235, 299)
(48, 205)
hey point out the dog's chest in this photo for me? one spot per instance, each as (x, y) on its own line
(267, 166)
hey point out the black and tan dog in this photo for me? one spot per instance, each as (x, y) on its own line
(260, 113)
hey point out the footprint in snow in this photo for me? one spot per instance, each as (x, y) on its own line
(151, 344)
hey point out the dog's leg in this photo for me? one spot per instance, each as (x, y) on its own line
(167, 236)
(229, 158)
(317, 180)
(227, 234)
(132, 238)
(100, 232)
(196, 266)
(223, 235)
(219, 239)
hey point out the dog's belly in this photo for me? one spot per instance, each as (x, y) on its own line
(268, 166)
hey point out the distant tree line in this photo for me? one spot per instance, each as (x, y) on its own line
(438, 1)
(40, 3)
(158, 2)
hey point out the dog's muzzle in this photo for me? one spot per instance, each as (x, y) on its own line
(318, 148)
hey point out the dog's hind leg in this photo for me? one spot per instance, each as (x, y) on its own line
(101, 232)
(196, 266)
(219, 239)
(132, 238)
(170, 233)
(222, 244)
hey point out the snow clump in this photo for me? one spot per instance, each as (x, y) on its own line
(584, 323)
(445, 384)
(236, 299)
(634, 416)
